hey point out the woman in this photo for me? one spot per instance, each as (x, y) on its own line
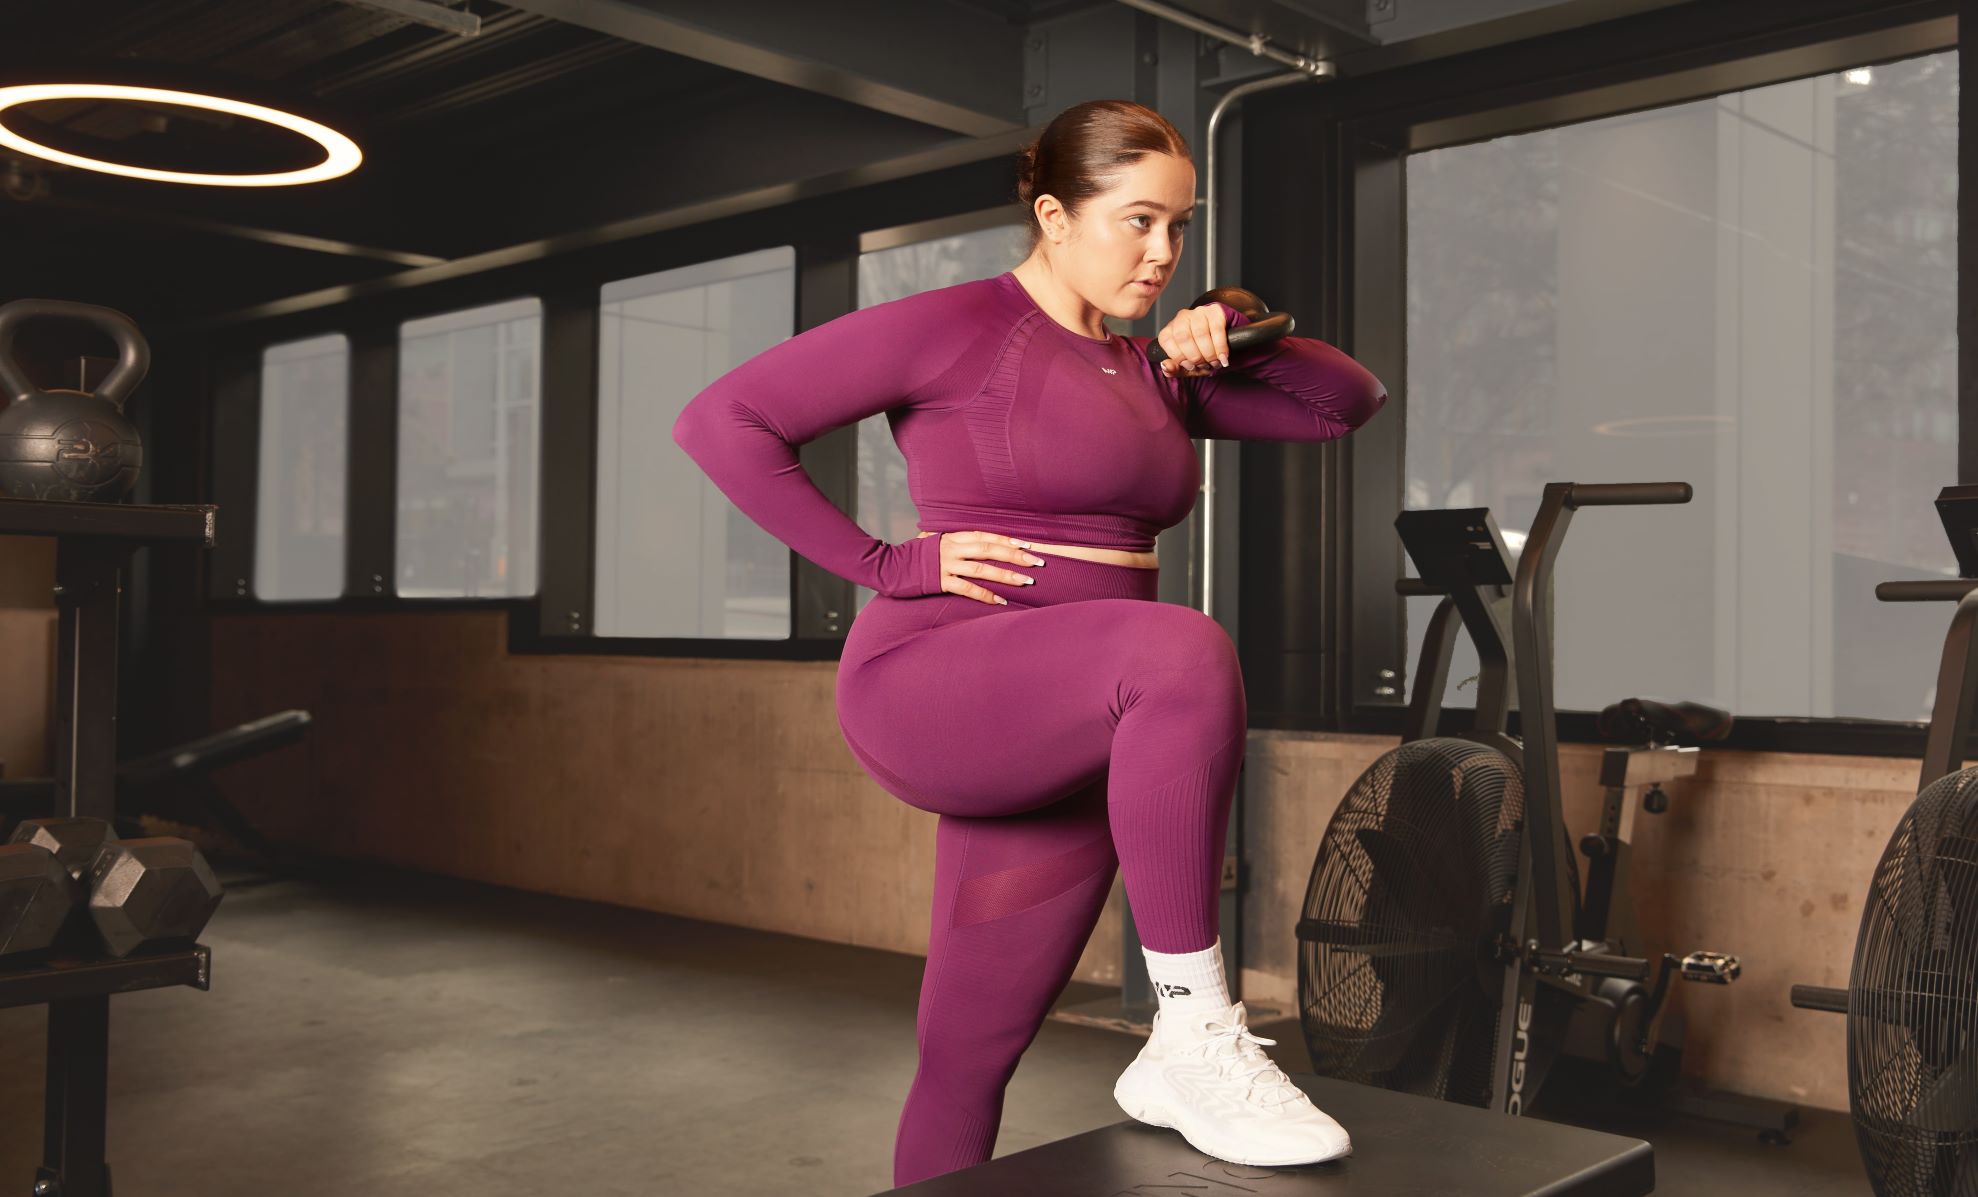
(1015, 674)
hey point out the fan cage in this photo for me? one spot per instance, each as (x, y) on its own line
(1414, 881)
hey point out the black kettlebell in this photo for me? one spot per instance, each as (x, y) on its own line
(74, 446)
(1263, 326)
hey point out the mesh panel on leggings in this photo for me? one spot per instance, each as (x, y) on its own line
(995, 895)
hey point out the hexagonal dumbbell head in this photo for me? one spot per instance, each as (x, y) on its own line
(73, 841)
(36, 896)
(148, 893)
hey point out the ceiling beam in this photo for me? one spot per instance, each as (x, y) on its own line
(942, 157)
(426, 12)
(948, 66)
(161, 218)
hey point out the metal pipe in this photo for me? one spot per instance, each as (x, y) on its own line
(1957, 694)
(1256, 43)
(1531, 650)
(1209, 283)
(1303, 68)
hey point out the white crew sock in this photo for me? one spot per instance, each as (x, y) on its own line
(1190, 981)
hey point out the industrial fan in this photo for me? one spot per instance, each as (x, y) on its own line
(1399, 988)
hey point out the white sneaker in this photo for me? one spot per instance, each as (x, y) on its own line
(1204, 1074)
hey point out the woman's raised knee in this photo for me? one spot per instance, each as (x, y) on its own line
(1170, 638)
(1188, 637)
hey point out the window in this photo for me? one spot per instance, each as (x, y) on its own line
(1754, 294)
(896, 264)
(674, 556)
(305, 441)
(468, 417)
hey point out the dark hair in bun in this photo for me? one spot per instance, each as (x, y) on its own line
(1084, 151)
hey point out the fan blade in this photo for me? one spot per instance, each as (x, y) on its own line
(1398, 881)
(1377, 941)
(1397, 1034)
(1948, 1103)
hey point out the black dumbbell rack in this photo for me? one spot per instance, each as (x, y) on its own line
(92, 543)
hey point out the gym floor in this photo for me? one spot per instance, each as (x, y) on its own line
(391, 1034)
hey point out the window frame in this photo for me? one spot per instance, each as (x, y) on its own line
(253, 580)
(825, 229)
(1342, 499)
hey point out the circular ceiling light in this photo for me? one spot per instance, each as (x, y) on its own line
(340, 153)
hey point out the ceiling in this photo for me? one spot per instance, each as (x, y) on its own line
(559, 115)
(534, 126)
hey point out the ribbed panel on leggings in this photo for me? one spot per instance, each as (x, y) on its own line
(994, 895)
(1183, 822)
(948, 1137)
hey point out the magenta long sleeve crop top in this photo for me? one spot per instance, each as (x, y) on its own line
(1009, 422)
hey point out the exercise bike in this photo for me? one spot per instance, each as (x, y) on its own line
(1447, 946)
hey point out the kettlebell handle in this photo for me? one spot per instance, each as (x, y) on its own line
(1264, 325)
(133, 354)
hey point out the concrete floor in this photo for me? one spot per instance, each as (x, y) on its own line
(403, 1035)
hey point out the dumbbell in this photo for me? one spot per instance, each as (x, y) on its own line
(72, 843)
(155, 893)
(37, 898)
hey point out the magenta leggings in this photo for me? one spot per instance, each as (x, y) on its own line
(1083, 727)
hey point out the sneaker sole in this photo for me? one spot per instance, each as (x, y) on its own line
(1153, 1114)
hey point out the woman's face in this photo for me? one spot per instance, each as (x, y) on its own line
(1128, 234)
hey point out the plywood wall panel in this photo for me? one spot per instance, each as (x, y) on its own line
(27, 653)
(719, 790)
(27, 679)
(1764, 855)
(722, 790)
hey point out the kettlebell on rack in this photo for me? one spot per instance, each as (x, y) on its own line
(74, 446)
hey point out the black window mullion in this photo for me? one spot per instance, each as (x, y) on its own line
(1967, 249)
(567, 494)
(371, 528)
(236, 447)
(1374, 636)
(827, 288)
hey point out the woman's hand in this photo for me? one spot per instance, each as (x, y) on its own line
(962, 558)
(1197, 341)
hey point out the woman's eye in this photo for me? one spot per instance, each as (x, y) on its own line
(1141, 216)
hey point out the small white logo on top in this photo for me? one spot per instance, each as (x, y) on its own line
(1109, 371)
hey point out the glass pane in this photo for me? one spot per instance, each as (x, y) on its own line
(468, 420)
(885, 505)
(1754, 294)
(305, 441)
(674, 556)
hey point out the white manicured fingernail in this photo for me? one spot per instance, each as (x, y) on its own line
(1225, 361)
(1002, 601)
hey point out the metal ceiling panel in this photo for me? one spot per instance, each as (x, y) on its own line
(950, 66)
